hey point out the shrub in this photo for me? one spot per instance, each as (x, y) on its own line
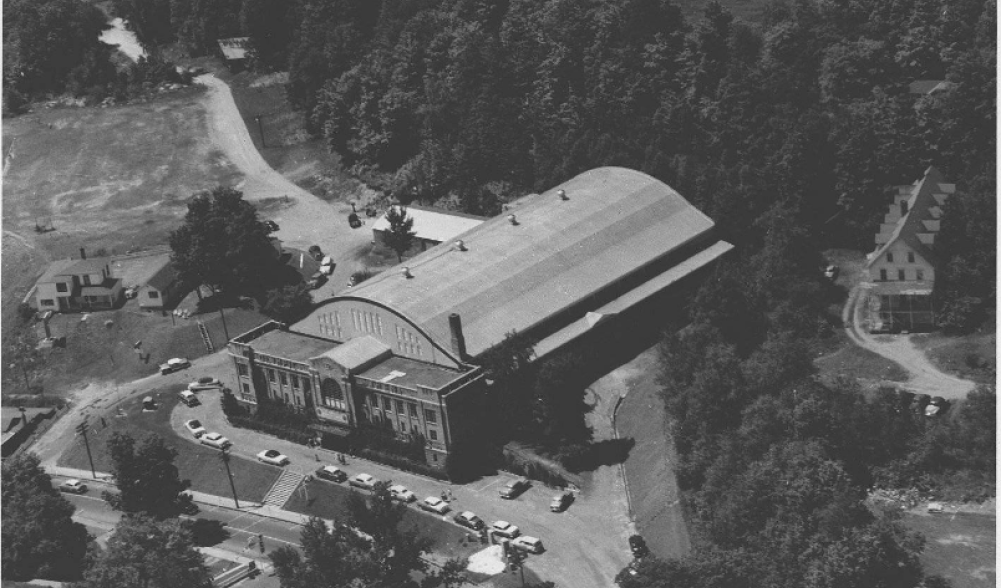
(402, 463)
(294, 435)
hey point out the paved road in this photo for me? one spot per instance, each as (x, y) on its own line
(925, 378)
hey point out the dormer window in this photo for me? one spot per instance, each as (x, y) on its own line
(910, 257)
(889, 257)
(62, 287)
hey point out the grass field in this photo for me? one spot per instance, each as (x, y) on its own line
(195, 462)
(972, 357)
(845, 359)
(960, 547)
(328, 500)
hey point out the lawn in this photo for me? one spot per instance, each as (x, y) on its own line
(854, 362)
(959, 547)
(96, 351)
(197, 463)
(972, 357)
(328, 500)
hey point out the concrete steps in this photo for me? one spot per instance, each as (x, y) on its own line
(284, 486)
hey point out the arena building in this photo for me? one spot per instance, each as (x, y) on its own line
(400, 350)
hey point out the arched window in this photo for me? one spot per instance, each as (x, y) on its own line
(332, 394)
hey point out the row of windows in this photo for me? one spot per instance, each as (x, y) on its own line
(910, 257)
(369, 322)
(403, 408)
(407, 342)
(919, 275)
(414, 430)
(297, 381)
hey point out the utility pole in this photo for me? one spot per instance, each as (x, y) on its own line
(260, 128)
(24, 418)
(516, 559)
(225, 459)
(225, 331)
(81, 429)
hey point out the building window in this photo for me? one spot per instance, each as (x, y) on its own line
(246, 388)
(430, 416)
(900, 275)
(434, 457)
(306, 386)
(433, 434)
(399, 408)
(882, 275)
(153, 294)
(283, 378)
(271, 375)
(920, 274)
(332, 395)
(910, 257)
(387, 403)
(61, 287)
(889, 257)
(295, 381)
(242, 369)
(48, 302)
(413, 410)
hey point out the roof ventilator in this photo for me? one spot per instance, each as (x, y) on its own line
(563, 195)
(460, 246)
(512, 219)
(406, 273)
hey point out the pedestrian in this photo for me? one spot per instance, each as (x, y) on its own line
(260, 541)
(250, 543)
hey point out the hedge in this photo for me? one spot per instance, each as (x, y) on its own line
(401, 463)
(293, 435)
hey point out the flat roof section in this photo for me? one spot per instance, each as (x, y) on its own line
(289, 345)
(400, 371)
(433, 225)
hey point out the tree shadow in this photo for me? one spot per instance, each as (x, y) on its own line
(205, 532)
(613, 451)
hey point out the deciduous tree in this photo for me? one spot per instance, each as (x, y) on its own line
(147, 479)
(400, 236)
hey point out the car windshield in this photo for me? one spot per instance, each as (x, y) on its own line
(194, 424)
(271, 453)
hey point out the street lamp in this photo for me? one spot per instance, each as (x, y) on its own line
(260, 128)
(224, 456)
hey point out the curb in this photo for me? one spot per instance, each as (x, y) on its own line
(622, 465)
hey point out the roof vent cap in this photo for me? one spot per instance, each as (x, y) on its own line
(563, 195)
(406, 273)
(512, 219)
(459, 245)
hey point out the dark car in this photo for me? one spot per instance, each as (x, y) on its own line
(920, 402)
(331, 473)
(270, 225)
(513, 488)
(638, 546)
(469, 520)
(316, 280)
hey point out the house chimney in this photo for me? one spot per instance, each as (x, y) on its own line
(83, 253)
(512, 219)
(458, 341)
(563, 195)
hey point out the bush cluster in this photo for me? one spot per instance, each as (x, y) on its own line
(534, 470)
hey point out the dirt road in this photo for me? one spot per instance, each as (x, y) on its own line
(925, 378)
(306, 220)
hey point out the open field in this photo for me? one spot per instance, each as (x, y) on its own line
(972, 357)
(114, 178)
(854, 362)
(196, 462)
(959, 547)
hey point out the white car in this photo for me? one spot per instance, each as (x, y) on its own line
(215, 440)
(529, 544)
(273, 457)
(174, 364)
(195, 428)
(401, 493)
(73, 486)
(505, 529)
(204, 384)
(434, 504)
(364, 481)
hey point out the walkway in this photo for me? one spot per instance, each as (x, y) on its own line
(925, 378)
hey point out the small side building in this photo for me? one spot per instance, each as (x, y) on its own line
(235, 52)
(902, 268)
(162, 290)
(70, 285)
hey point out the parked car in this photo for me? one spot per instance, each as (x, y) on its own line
(638, 546)
(529, 544)
(174, 364)
(363, 481)
(334, 474)
(206, 383)
(273, 457)
(215, 440)
(831, 272)
(316, 280)
(513, 488)
(920, 402)
(937, 406)
(195, 427)
(561, 501)
(399, 492)
(189, 399)
(73, 486)
(270, 225)
(469, 520)
(505, 529)
(436, 505)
